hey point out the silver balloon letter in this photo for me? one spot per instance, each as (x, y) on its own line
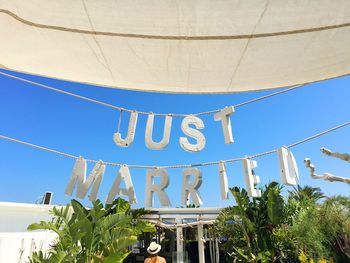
(123, 174)
(223, 181)
(131, 132)
(197, 135)
(251, 179)
(78, 177)
(191, 188)
(166, 134)
(156, 188)
(288, 167)
(224, 117)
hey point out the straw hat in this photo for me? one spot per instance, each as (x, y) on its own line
(154, 248)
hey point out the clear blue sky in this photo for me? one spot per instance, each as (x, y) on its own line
(78, 127)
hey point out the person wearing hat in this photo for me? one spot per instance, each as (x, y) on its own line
(153, 257)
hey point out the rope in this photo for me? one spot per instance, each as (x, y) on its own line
(318, 135)
(119, 121)
(183, 165)
(144, 112)
(62, 91)
(268, 96)
(174, 226)
(38, 147)
(170, 37)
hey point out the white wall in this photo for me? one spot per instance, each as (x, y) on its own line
(15, 217)
(16, 247)
(16, 243)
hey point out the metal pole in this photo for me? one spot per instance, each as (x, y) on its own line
(200, 244)
(179, 242)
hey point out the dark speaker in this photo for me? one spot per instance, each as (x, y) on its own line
(47, 198)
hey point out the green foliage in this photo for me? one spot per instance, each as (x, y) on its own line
(248, 227)
(306, 194)
(276, 229)
(189, 206)
(307, 231)
(285, 243)
(99, 234)
(323, 230)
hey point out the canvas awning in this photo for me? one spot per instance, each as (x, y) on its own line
(187, 46)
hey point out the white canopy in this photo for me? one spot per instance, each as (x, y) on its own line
(189, 46)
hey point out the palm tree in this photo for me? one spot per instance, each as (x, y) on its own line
(306, 193)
